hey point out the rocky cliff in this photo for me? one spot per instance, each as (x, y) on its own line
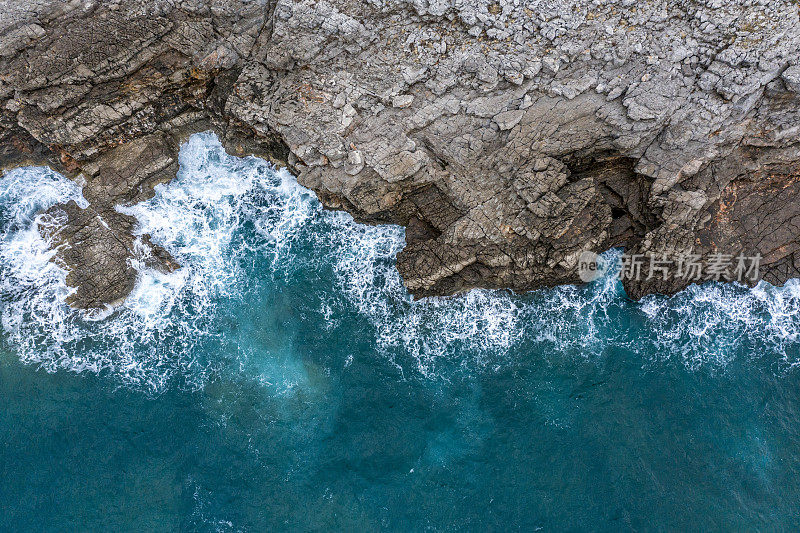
(506, 136)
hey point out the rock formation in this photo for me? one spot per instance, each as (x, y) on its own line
(507, 136)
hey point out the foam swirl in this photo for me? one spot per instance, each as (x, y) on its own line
(224, 217)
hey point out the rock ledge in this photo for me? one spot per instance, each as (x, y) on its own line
(507, 137)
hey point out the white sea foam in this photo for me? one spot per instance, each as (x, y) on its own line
(31, 285)
(151, 338)
(713, 323)
(220, 209)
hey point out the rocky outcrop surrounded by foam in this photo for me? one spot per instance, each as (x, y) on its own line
(508, 137)
(252, 241)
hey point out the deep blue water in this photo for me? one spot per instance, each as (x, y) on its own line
(283, 379)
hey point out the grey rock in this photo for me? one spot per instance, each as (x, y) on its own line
(507, 137)
(402, 100)
(791, 76)
(509, 119)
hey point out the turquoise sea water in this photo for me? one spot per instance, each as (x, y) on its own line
(283, 379)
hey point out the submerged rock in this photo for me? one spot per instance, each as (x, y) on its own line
(507, 137)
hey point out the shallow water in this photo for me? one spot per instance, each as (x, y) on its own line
(283, 378)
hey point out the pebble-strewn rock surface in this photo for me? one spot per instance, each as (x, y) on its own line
(507, 136)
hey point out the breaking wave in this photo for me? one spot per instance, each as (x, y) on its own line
(223, 217)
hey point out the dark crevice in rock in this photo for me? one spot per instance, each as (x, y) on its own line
(626, 192)
(755, 213)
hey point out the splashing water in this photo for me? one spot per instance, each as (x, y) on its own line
(224, 218)
(284, 376)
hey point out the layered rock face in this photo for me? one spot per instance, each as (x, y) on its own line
(508, 137)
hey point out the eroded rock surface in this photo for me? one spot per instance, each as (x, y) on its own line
(97, 244)
(508, 137)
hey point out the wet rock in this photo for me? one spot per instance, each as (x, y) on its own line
(98, 249)
(97, 244)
